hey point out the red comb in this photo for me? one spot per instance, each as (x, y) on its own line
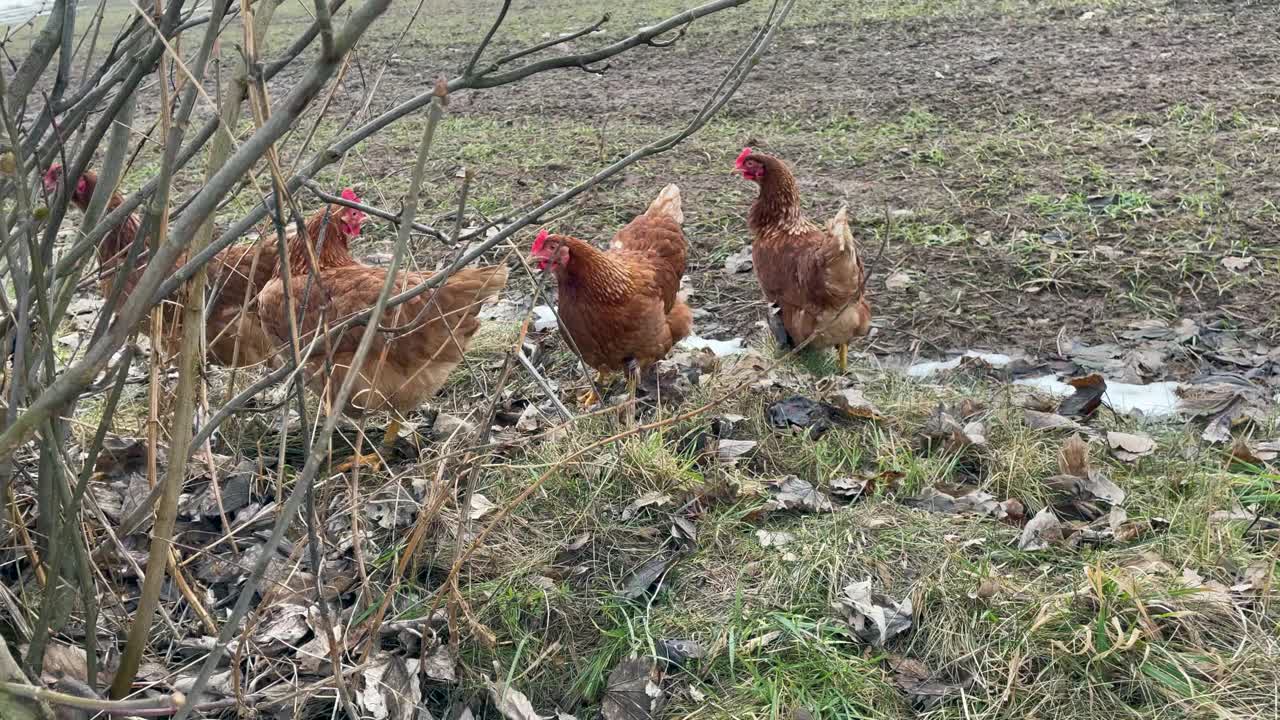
(540, 240)
(746, 153)
(349, 194)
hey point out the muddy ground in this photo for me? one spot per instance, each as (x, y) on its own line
(1053, 171)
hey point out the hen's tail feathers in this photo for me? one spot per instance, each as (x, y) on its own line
(680, 321)
(667, 204)
(838, 229)
(476, 286)
(486, 281)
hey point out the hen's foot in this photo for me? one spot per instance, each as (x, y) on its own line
(369, 461)
(842, 357)
(590, 397)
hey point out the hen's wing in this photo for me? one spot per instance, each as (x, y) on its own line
(657, 235)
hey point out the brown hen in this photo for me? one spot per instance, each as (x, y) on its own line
(404, 367)
(813, 275)
(620, 308)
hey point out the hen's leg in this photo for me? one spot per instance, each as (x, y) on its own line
(590, 397)
(373, 460)
(842, 357)
(633, 382)
(778, 327)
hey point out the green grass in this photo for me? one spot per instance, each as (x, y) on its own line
(1073, 629)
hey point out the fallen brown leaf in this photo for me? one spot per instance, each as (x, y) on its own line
(1084, 402)
(1037, 420)
(1128, 447)
(1073, 458)
(1041, 531)
(873, 617)
(634, 691)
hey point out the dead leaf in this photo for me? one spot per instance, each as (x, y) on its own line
(1237, 264)
(1073, 458)
(1087, 397)
(684, 531)
(633, 692)
(739, 262)
(653, 498)
(923, 688)
(678, 653)
(760, 641)
(1041, 531)
(392, 507)
(530, 419)
(851, 402)
(975, 502)
(512, 703)
(285, 625)
(1128, 447)
(801, 412)
(873, 617)
(792, 493)
(730, 452)
(1258, 454)
(899, 280)
(315, 654)
(480, 506)
(1255, 579)
(62, 660)
(392, 690)
(642, 578)
(1225, 404)
(769, 538)
(441, 665)
(986, 589)
(943, 432)
(1037, 420)
(850, 489)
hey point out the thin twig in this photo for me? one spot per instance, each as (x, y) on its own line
(488, 37)
(551, 43)
(396, 218)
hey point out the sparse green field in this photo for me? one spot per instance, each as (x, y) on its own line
(1034, 170)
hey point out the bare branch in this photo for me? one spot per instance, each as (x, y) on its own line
(325, 26)
(189, 356)
(38, 58)
(729, 85)
(550, 43)
(69, 261)
(645, 36)
(331, 155)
